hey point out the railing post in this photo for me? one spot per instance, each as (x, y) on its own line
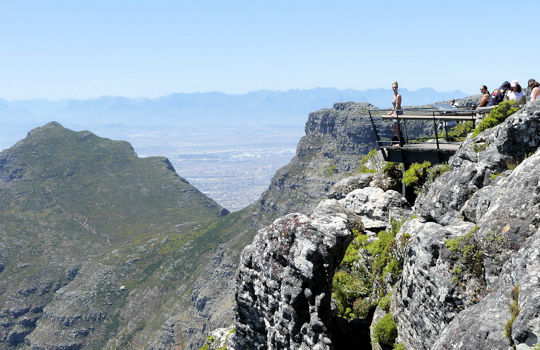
(436, 133)
(375, 129)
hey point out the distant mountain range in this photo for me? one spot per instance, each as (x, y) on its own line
(255, 107)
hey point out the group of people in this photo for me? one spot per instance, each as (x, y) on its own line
(509, 91)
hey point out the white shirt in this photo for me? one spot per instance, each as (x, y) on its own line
(514, 96)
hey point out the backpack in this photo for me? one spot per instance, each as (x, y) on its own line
(497, 96)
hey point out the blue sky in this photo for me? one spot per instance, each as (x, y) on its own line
(74, 49)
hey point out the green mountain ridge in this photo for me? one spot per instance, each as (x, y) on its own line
(88, 231)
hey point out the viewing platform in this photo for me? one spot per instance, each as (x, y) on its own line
(420, 134)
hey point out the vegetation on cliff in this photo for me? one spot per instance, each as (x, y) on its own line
(360, 283)
(496, 116)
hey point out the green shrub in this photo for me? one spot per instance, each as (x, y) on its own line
(480, 147)
(514, 311)
(346, 290)
(460, 131)
(351, 254)
(209, 341)
(511, 164)
(392, 170)
(385, 331)
(357, 288)
(371, 162)
(416, 176)
(361, 308)
(399, 346)
(496, 116)
(365, 169)
(384, 303)
(436, 171)
(494, 176)
(467, 255)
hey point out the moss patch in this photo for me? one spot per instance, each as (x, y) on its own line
(385, 331)
(467, 256)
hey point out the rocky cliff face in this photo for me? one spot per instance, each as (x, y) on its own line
(470, 254)
(496, 210)
(335, 141)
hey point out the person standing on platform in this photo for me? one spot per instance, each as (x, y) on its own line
(396, 111)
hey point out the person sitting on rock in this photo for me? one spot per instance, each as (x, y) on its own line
(497, 96)
(534, 86)
(516, 93)
(485, 96)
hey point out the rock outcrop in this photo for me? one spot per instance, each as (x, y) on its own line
(336, 140)
(373, 204)
(285, 277)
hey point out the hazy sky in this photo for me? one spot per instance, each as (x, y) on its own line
(80, 49)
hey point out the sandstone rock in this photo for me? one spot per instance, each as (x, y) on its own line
(431, 306)
(285, 277)
(512, 215)
(372, 204)
(482, 325)
(344, 186)
(426, 297)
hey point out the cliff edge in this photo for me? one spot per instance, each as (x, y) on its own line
(466, 258)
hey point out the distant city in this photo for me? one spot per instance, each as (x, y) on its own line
(234, 179)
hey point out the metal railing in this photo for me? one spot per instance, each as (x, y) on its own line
(441, 119)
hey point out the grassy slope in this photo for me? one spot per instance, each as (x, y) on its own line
(77, 197)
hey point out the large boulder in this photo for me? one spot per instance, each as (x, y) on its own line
(284, 281)
(373, 204)
(427, 298)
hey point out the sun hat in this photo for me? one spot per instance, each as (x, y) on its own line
(514, 83)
